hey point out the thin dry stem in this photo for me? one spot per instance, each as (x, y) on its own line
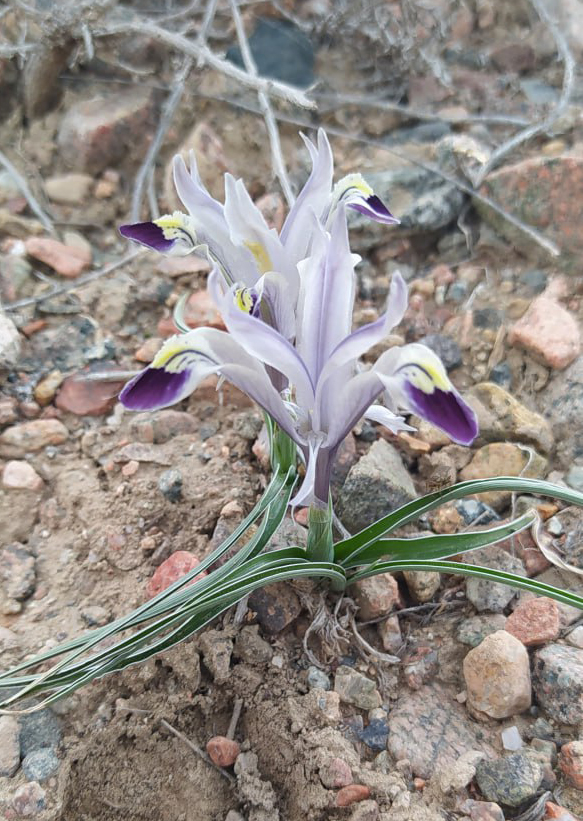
(33, 203)
(196, 749)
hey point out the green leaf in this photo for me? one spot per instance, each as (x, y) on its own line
(458, 568)
(413, 510)
(437, 546)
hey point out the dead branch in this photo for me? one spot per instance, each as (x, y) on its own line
(196, 749)
(32, 201)
(265, 106)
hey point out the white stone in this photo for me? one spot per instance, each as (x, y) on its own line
(511, 739)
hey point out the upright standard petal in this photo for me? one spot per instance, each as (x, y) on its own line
(416, 380)
(170, 234)
(296, 234)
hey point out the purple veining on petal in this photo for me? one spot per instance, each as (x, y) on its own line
(445, 409)
(154, 388)
(374, 208)
(148, 234)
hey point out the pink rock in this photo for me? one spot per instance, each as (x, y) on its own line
(100, 132)
(29, 799)
(535, 621)
(390, 633)
(175, 566)
(556, 813)
(32, 436)
(376, 596)
(548, 332)
(223, 751)
(148, 350)
(64, 259)
(200, 311)
(571, 763)
(83, 397)
(351, 795)
(21, 476)
(8, 413)
(336, 773)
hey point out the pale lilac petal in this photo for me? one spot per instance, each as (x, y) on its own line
(383, 416)
(417, 381)
(277, 296)
(339, 410)
(314, 197)
(326, 296)
(305, 494)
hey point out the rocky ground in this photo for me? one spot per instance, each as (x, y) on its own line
(99, 509)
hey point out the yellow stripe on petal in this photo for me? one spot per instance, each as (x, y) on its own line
(426, 375)
(352, 182)
(176, 226)
(261, 256)
(173, 357)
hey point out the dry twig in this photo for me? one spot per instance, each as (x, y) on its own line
(196, 749)
(33, 203)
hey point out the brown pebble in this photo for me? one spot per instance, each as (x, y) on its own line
(351, 795)
(419, 783)
(223, 751)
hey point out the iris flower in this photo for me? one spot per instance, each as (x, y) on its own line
(289, 343)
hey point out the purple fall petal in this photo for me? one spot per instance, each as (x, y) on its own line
(445, 409)
(374, 208)
(148, 234)
(154, 388)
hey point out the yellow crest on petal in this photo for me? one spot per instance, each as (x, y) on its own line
(352, 182)
(426, 375)
(175, 226)
(261, 256)
(172, 356)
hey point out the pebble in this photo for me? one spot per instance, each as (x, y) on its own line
(32, 436)
(336, 773)
(355, 688)
(8, 413)
(375, 734)
(473, 509)
(85, 397)
(455, 776)
(97, 133)
(548, 332)
(474, 630)
(281, 50)
(558, 682)
(39, 730)
(317, 679)
(66, 260)
(483, 810)
(29, 799)
(177, 565)
(575, 637)
(45, 390)
(95, 616)
(68, 189)
(390, 634)
(502, 459)
(511, 739)
(571, 763)
(501, 374)
(487, 595)
(162, 426)
(253, 649)
(217, 650)
(276, 606)
(376, 596)
(10, 343)
(9, 746)
(351, 795)
(170, 485)
(502, 417)
(446, 348)
(375, 486)
(19, 475)
(17, 569)
(511, 780)
(223, 751)
(147, 352)
(497, 677)
(40, 764)
(553, 811)
(535, 622)
(574, 478)
(564, 404)
(422, 584)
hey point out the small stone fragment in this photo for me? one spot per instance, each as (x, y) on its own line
(335, 773)
(455, 776)
(555, 813)
(95, 616)
(31, 436)
(45, 390)
(557, 676)
(422, 584)
(497, 677)
(170, 484)
(17, 570)
(351, 795)
(82, 396)
(148, 350)
(40, 764)
(571, 763)
(354, 688)
(177, 565)
(29, 799)
(317, 679)
(535, 622)
(502, 459)
(19, 475)
(66, 260)
(276, 606)
(390, 633)
(10, 343)
(548, 332)
(223, 751)
(376, 733)
(420, 666)
(376, 596)
(483, 811)
(487, 595)
(251, 648)
(575, 637)
(510, 781)
(511, 739)
(9, 746)
(68, 189)
(39, 730)
(217, 650)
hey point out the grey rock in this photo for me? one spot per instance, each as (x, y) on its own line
(474, 630)
(542, 729)
(216, 652)
(250, 647)
(40, 764)
(10, 343)
(457, 292)
(9, 746)
(354, 688)
(38, 730)
(317, 679)
(446, 348)
(487, 318)
(574, 477)
(557, 678)
(375, 734)
(501, 374)
(511, 780)
(535, 279)
(17, 569)
(288, 534)
(281, 51)
(472, 509)
(430, 729)
(376, 485)
(170, 484)
(484, 594)
(95, 616)
(563, 406)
